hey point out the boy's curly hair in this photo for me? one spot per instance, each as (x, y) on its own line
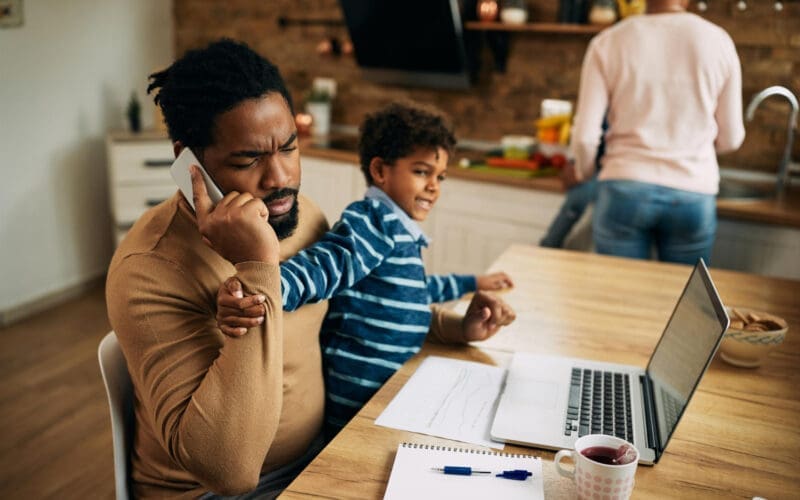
(399, 130)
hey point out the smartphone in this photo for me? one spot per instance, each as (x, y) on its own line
(180, 174)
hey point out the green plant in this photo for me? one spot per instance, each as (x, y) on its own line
(134, 112)
(318, 95)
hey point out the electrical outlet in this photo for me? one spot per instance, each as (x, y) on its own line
(10, 13)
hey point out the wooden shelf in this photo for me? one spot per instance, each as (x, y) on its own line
(562, 28)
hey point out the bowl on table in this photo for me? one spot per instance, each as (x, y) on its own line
(751, 336)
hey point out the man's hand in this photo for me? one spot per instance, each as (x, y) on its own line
(485, 315)
(237, 227)
(494, 281)
(235, 312)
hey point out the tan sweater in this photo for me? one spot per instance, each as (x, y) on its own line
(214, 412)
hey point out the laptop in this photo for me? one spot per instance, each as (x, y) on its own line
(550, 401)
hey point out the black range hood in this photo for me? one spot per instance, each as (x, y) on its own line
(417, 43)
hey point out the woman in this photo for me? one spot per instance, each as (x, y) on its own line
(671, 83)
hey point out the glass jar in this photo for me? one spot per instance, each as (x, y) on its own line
(514, 12)
(603, 12)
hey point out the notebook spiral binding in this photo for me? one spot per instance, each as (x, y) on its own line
(466, 451)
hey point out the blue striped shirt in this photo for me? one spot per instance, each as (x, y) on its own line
(370, 267)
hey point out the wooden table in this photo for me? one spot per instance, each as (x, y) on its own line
(740, 436)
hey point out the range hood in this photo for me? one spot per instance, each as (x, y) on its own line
(417, 43)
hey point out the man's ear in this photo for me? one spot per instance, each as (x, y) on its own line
(377, 171)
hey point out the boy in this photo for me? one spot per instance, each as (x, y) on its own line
(370, 264)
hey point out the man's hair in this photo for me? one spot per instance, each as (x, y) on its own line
(207, 82)
(399, 130)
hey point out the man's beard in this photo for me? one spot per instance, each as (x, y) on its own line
(285, 224)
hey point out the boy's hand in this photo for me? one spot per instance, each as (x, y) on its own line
(494, 281)
(235, 312)
(485, 315)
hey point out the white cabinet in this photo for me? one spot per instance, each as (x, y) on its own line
(473, 223)
(138, 176)
(331, 184)
(757, 248)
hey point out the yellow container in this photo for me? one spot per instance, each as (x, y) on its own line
(631, 7)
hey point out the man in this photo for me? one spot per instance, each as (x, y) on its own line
(215, 413)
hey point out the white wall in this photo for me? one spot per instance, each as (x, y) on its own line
(65, 78)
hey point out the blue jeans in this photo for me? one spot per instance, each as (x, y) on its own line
(630, 217)
(577, 199)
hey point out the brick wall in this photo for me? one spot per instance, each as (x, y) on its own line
(539, 66)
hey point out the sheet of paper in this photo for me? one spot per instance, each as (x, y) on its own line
(448, 398)
(413, 475)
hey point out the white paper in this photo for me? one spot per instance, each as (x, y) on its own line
(413, 478)
(448, 398)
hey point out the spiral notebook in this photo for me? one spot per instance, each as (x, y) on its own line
(413, 476)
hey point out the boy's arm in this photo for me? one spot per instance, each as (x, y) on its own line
(444, 287)
(485, 315)
(356, 245)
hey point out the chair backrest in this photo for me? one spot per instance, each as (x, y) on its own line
(120, 401)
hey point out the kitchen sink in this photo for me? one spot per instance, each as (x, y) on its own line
(735, 189)
(740, 184)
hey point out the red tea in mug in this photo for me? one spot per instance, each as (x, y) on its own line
(609, 456)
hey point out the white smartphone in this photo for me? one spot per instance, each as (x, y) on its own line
(180, 174)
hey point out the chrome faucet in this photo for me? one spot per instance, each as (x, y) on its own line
(783, 167)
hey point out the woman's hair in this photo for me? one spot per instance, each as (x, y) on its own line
(399, 130)
(207, 82)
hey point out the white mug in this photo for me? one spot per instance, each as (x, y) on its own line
(595, 480)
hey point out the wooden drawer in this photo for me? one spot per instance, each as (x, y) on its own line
(141, 163)
(131, 201)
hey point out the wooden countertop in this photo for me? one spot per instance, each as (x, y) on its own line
(783, 212)
(738, 438)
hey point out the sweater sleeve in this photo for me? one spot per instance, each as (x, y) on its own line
(728, 115)
(444, 287)
(200, 391)
(593, 92)
(446, 326)
(355, 246)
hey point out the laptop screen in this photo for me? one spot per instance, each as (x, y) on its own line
(686, 348)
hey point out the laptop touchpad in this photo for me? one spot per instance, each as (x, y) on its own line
(540, 393)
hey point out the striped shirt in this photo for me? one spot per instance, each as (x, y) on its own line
(370, 267)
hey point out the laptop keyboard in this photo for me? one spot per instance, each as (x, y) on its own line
(599, 403)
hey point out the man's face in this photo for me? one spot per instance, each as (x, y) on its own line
(255, 151)
(413, 181)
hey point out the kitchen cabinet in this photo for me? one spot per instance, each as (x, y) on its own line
(138, 176)
(474, 222)
(767, 249)
(331, 184)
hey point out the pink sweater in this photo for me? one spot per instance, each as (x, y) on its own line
(672, 87)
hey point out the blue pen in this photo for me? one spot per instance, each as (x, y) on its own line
(460, 471)
(516, 474)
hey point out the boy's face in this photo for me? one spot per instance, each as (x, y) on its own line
(413, 181)
(255, 151)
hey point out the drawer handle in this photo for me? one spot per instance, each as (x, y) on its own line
(151, 202)
(158, 163)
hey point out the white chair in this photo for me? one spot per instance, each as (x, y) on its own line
(120, 401)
